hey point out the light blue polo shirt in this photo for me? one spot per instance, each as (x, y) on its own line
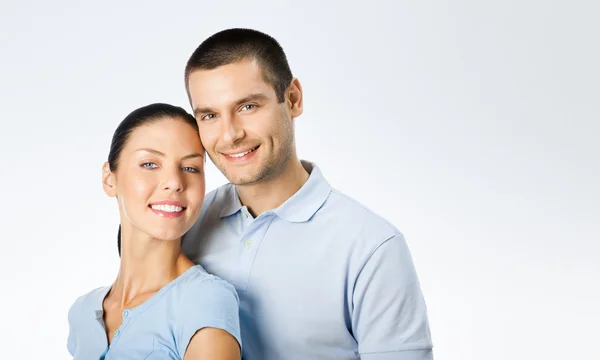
(161, 327)
(320, 277)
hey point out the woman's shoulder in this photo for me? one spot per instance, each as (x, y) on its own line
(197, 283)
(202, 294)
(88, 302)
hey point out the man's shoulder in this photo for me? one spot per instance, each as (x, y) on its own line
(348, 207)
(356, 218)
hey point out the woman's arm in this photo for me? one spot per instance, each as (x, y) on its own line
(212, 344)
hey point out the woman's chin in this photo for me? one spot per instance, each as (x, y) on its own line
(168, 236)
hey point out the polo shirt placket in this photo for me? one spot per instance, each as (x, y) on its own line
(253, 234)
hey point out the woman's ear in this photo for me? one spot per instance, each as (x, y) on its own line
(108, 181)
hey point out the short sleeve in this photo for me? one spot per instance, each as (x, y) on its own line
(72, 337)
(212, 303)
(389, 317)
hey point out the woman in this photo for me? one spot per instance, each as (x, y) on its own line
(161, 305)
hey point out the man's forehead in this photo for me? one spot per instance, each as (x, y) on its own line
(237, 71)
(216, 85)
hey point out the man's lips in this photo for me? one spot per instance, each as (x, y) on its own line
(240, 153)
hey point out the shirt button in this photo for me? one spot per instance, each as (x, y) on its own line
(248, 243)
(244, 215)
(125, 313)
(117, 332)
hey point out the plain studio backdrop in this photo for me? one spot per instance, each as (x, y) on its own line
(472, 126)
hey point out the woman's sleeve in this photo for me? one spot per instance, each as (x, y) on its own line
(212, 303)
(72, 338)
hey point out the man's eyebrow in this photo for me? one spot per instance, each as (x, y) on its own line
(204, 110)
(156, 152)
(251, 97)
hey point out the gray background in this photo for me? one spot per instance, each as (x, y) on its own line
(470, 125)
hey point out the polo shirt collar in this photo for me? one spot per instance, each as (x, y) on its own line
(298, 208)
(232, 202)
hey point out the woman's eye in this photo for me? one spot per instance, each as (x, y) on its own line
(149, 165)
(190, 169)
(248, 107)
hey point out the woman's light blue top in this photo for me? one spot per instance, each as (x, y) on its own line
(159, 328)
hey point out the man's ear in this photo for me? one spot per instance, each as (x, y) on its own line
(108, 181)
(294, 98)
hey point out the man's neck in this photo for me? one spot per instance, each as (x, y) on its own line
(270, 194)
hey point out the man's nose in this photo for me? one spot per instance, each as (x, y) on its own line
(231, 130)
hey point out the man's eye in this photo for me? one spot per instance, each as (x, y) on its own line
(208, 117)
(190, 169)
(248, 107)
(149, 165)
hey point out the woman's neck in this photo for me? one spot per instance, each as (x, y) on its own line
(146, 266)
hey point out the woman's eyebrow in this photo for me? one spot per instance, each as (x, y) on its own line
(191, 156)
(156, 152)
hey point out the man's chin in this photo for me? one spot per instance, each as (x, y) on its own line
(243, 181)
(245, 175)
(240, 178)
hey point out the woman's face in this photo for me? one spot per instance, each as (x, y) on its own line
(159, 181)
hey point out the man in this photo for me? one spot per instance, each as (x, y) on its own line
(318, 275)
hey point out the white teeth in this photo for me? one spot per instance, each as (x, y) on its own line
(244, 153)
(167, 208)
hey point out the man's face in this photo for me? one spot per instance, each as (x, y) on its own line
(248, 135)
